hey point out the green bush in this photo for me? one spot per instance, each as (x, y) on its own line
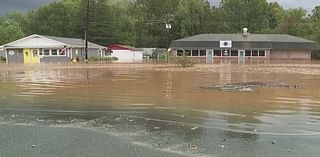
(316, 55)
(184, 61)
(103, 59)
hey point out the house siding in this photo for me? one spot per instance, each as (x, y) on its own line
(54, 59)
(290, 54)
(17, 58)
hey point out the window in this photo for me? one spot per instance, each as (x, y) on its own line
(46, 52)
(234, 53)
(188, 52)
(62, 52)
(203, 53)
(35, 53)
(226, 52)
(262, 53)
(179, 52)
(40, 53)
(248, 53)
(195, 53)
(54, 53)
(255, 53)
(217, 52)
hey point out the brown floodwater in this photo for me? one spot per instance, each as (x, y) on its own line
(151, 102)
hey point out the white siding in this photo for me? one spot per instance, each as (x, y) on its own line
(36, 42)
(127, 55)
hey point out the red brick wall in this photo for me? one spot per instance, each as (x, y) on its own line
(290, 54)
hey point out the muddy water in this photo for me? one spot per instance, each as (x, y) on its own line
(167, 109)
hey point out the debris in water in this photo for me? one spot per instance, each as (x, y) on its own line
(194, 128)
(221, 146)
(194, 147)
(156, 128)
(274, 142)
(33, 146)
(249, 86)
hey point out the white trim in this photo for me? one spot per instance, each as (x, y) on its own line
(50, 53)
(28, 37)
(5, 51)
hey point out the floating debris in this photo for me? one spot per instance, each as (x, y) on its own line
(33, 146)
(249, 86)
(274, 142)
(194, 128)
(156, 128)
(221, 146)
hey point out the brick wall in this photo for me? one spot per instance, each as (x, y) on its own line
(290, 54)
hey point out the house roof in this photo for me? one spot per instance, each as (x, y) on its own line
(75, 42)
(42, 41)
(270, 41)
(123, 47)
(250, 37)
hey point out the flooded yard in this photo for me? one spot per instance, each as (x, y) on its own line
(158, 110)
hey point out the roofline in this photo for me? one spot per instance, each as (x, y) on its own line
(307, 40)
(30, 36)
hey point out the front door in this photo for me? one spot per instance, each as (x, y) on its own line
(241, 56)
(209, 58)
(31, 56)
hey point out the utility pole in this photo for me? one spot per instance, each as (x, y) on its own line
(86, 30)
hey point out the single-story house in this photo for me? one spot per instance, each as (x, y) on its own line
(2, 52)
(126, 53)
(241, 47)
(48, 49)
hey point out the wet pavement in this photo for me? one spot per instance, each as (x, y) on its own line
(129, 110)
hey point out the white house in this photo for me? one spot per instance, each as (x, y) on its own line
(126, 54)
(48, 49)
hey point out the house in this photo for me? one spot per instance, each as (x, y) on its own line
(48, 49)
(126, 53)
(242, 47)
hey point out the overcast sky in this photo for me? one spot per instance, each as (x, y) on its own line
(23, 5)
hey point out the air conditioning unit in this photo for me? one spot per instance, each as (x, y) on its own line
(225, 44)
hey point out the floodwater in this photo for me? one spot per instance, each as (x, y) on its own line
(158, 110)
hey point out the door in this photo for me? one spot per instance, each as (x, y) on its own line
(31, 56)
(35, 55)
(241, 56)
(209, 58)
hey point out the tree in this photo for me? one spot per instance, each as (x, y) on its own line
(245, 13)
(10, 31)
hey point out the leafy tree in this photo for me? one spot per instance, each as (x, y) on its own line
(10, 31)
(245, 13)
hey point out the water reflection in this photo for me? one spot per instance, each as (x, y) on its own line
(165, 108)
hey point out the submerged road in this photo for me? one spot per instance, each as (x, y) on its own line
(40, 141)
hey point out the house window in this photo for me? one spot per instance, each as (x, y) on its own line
(234, 53)
(226, 52)
(255, 53)
(188, 52)
(203, 53)
(248, 53)
(62, 52)
(179, 52)
(217, 52)
(54, 52)
(262, 53)
(195, 53)
(46, 52)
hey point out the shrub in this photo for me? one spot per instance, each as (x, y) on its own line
(184, 61)
(103, 59)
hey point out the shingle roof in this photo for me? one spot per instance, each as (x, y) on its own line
(250, 37)
(75, 42)
(239, 41)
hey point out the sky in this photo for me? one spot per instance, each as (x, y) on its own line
(24, 5)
